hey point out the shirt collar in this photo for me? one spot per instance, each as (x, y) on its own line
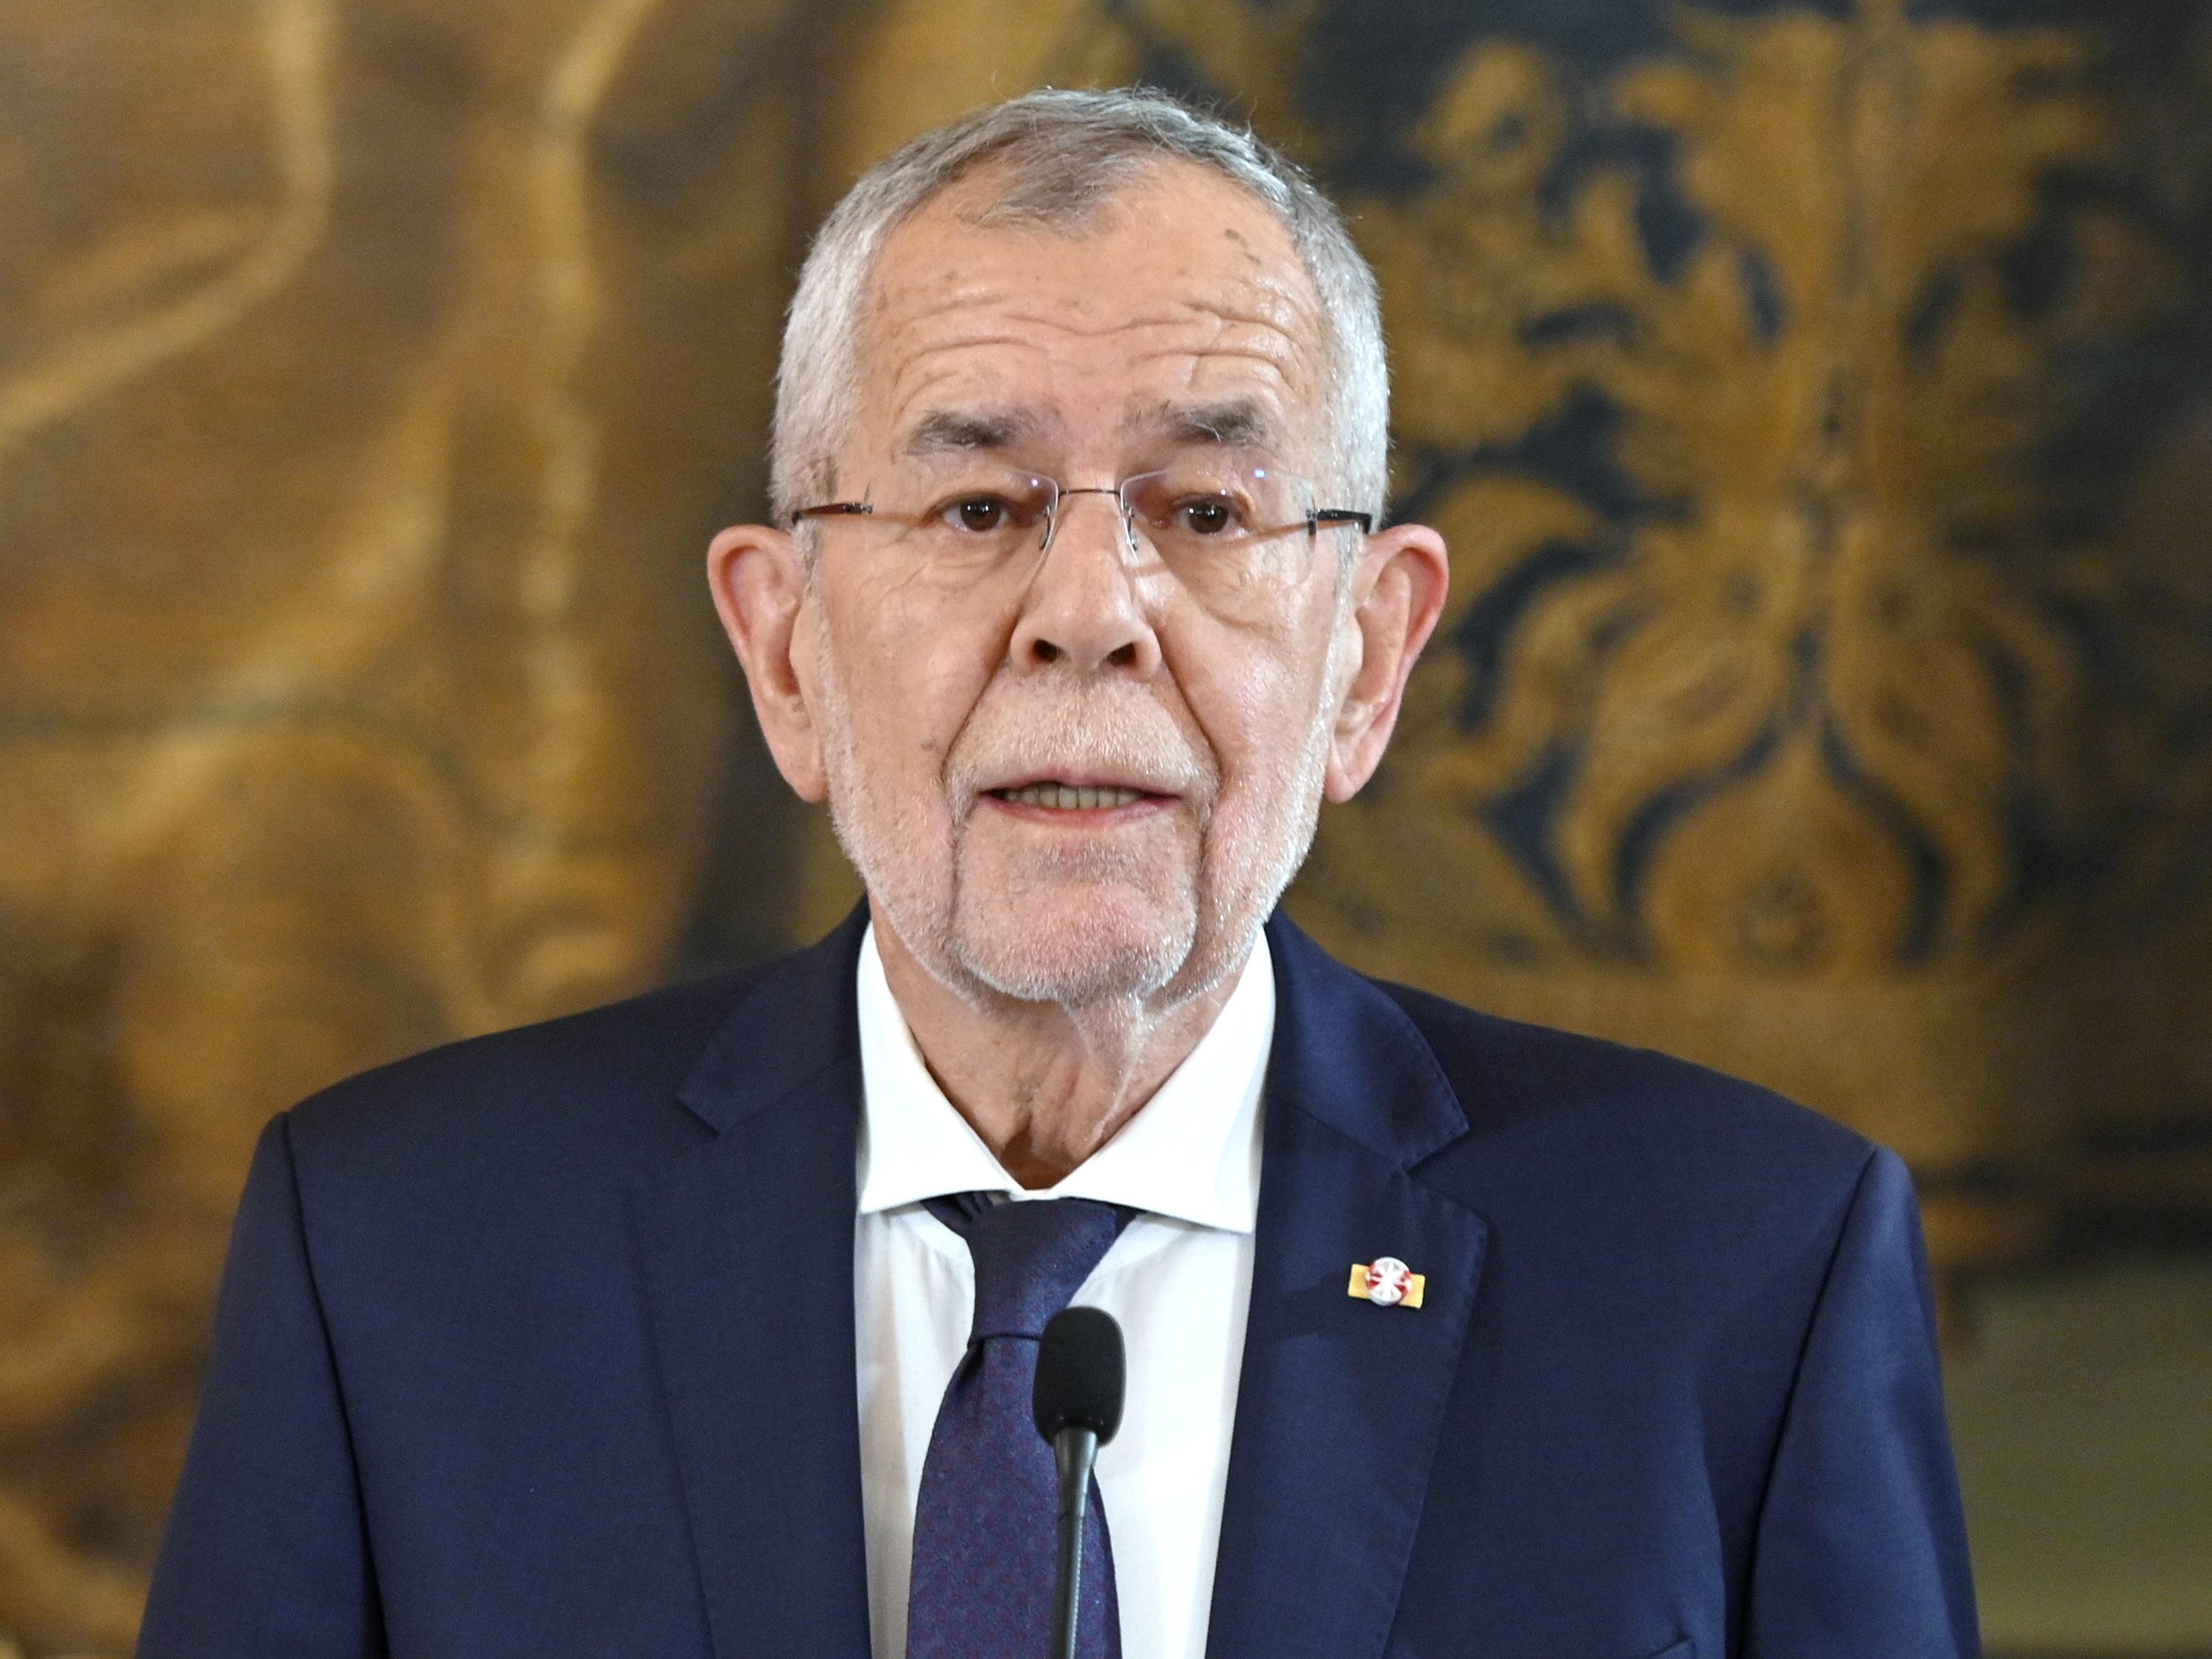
(1192, 1151)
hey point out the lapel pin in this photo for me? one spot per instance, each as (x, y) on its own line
(1387, 1282)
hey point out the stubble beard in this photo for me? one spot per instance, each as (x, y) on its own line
(986, 946)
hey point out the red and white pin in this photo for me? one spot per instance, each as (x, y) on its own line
(1387, 1282)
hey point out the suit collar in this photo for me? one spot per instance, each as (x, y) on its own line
(1343, 1050)
(1341, 1403)
(1346, 1054)
(796, 1022)
(746, 1240)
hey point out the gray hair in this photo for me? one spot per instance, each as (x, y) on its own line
(1067, 155)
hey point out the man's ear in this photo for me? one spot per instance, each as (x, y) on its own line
(758, 578)
(1397, 594)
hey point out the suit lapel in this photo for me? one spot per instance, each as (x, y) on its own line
(1340, 1402)
(746, 1243)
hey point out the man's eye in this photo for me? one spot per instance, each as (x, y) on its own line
(978, 515)
(1204, 515)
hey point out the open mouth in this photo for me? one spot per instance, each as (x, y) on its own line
(1070, 798)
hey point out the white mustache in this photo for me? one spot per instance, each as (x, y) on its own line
(1125, 737)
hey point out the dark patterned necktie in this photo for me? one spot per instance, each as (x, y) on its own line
(983, 1526)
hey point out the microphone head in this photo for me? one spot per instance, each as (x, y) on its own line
(1081, 1376)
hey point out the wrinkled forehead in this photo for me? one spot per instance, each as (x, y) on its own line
(1178, 309)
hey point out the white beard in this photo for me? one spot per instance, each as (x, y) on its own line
(1198, 934)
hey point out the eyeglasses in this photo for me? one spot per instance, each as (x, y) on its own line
(1224, 528)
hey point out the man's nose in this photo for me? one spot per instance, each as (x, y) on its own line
(1084, 607)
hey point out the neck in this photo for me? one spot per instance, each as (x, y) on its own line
(1045, 1085)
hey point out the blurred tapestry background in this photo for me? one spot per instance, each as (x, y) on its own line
(1817, 399)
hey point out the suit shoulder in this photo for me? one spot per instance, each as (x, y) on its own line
(583, 1075)
(1524, 1081)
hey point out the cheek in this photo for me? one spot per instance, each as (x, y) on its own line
(1256, 709)
(911, 680)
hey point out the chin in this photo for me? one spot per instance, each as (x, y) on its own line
(1088, 945)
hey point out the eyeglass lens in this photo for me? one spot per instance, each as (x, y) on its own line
(1221, 528)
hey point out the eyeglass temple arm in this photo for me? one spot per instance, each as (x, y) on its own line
(828, 509)
(1322, 515)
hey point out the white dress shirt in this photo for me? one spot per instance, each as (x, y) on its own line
(1178, 1279)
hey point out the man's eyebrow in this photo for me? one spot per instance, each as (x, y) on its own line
(955, 431)
(1236, 424)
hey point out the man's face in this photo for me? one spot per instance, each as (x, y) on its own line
(1076, 777)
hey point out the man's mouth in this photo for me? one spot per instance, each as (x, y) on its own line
(1070, 798)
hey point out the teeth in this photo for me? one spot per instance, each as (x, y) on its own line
(1065, 799)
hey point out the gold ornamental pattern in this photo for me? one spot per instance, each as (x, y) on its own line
(371, 374)
(1815, 701)
(1815, 410)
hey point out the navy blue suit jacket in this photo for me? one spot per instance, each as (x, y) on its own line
(541, 1344)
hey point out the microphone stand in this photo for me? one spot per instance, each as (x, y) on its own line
(1074, 1449)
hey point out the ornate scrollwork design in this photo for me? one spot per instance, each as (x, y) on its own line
(1774, 650)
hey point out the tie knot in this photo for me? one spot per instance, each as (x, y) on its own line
(1031, 1258)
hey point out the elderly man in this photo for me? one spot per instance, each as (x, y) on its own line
(704, 1324)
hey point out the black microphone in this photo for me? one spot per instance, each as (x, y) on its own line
(1076, 1403)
